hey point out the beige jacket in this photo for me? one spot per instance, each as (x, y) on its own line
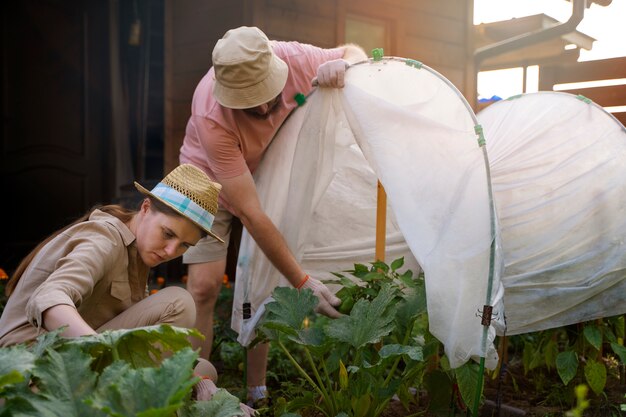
(93, 266)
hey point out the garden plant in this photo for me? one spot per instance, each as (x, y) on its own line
(379, 348)
(115, 373)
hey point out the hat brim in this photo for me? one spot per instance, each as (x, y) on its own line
(145, 191)
(257, 94)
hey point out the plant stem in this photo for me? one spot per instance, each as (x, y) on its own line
(332, 392)
(397, 360)
(299, 368)
(115, 353)
(327, 398)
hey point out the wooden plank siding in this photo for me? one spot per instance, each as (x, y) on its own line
(436, 32)
(191, 29)
(605, 69)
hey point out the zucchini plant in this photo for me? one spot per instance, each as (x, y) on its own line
(354, 364)
(115, 373)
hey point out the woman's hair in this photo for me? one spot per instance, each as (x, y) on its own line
(123, 214)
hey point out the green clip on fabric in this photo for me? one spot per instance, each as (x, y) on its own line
(481, 137)
(583, 99)
(377, 54)
(514, 97)
(300, 99)
(413, 63)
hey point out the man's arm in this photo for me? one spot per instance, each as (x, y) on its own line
(331, 73)
(353, 53)
(241, 194)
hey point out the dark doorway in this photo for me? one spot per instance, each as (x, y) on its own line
(54, 150)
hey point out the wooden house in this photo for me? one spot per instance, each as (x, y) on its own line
(96, 93)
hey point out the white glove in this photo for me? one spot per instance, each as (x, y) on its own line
(205, 389)
(326, 298)
(331, 73)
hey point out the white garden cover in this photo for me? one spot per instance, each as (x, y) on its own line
(411, 129)
(558, 170)
(553, 255)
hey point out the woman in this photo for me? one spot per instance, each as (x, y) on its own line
(92, 275)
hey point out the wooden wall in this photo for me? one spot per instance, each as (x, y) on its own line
(435, 32)
(605, 69)
(191, 29)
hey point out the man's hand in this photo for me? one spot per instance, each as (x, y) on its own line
(326, 298)
(332, 74)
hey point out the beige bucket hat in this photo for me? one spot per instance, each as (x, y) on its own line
(247, 72)
(189, 191)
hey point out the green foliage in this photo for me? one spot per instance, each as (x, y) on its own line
(116, 373)
(595, 374)
(566, 365)
(580, 352)
(356, 363)
(467, 380)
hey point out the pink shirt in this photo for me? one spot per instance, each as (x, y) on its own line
(226, 142)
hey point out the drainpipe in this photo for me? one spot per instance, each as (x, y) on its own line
(517, 42)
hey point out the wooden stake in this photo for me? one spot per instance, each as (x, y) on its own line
(381, 222)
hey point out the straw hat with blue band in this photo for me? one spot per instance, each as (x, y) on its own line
(189, 191)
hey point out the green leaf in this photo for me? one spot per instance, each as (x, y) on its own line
(407, 278)
(289, 314)
(566, 365)
(619, 324)
(65, 379)
(47, 340)
(360, 270)
(595, 374)
(527, 356)
(439, 387)
(412, 305)
(361, 404)
(619, 351)
(28, 404)
(367, 323)
(593, 334)
(222, 404)
(467, 380)
(140, 347)
(550, 352)
(290, 307)
(536, 359)
(397, 264)
(379, 265)
(15, 362)
(373, 276)
(11, 378)
(146, 391)
(392, 350)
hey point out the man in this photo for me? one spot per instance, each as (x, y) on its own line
(237, 108)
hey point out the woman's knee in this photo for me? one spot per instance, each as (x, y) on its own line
(182, 309)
